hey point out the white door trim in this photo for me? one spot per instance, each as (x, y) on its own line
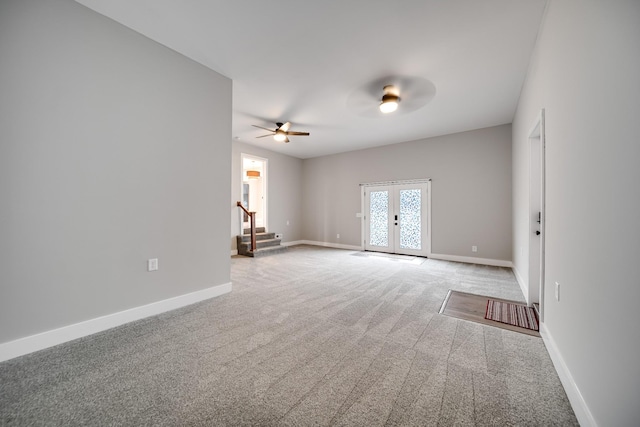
(536, 282)
(265, 186)
(399, 182)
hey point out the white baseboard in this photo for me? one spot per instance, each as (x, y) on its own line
(472, 260)
(43, 340)
(314, 243)
(524, 286)
(324, 244)
(580, 408)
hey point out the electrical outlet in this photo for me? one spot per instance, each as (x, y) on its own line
(338, 236)
(474, 249)
(287, 222)
(152, 264)
(557, 291)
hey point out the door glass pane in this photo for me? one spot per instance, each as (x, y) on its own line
(410, 223)
(379, 218)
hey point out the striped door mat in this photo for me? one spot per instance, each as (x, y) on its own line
(512, 314)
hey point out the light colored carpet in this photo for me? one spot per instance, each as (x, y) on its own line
(313, 336)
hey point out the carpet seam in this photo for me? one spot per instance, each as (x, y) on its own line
(406, 378)
(373, 359)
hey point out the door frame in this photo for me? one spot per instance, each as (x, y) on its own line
(362, 213)
(537, 148)
(264, 182)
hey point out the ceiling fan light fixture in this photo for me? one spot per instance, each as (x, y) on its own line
(280, 135)
(390, 99)
(389, 103)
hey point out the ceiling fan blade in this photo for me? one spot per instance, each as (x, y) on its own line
(285, 127)
(286, 139)
(298, 133)
(264, 136)
(260, 127)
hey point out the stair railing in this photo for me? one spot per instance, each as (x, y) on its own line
(252, 218)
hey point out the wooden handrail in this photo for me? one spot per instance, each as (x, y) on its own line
(239, 204)
(252, 217)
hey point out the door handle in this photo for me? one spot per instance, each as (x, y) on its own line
(537, 232)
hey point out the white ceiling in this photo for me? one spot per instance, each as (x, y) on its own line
(306, 61)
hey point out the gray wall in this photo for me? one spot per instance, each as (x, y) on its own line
(471, 200)
(284, 192)
(585, 74)
(114, 149)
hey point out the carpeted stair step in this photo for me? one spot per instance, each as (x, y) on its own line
(262, 243)
(269, 250)
(258, 230)
(266, 244)
(259, 236)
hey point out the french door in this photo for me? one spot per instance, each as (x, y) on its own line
(396, 218)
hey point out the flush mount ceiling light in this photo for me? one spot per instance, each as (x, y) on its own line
(253, 174)
(390, 99)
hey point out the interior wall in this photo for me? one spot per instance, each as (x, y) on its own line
(114, 149)
(284, 192)
(471, 190)
(584, 73)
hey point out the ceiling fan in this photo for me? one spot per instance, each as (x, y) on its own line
(281, 132)
(402, 94)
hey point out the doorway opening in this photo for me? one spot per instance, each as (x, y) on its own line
(535, 292)
(254, 189)
(397, 217)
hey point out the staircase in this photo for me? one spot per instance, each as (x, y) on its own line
(266, 243)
